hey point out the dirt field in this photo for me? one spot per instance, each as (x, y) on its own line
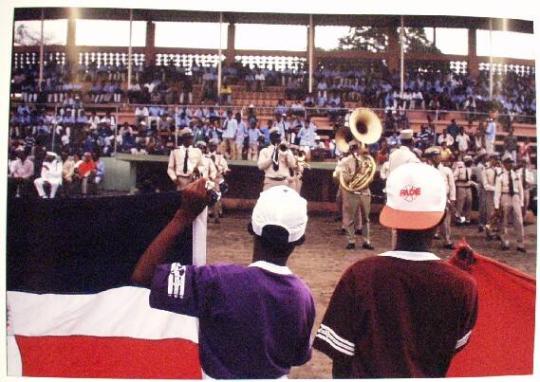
(323, 258)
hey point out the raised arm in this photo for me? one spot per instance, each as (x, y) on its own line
(194, 200)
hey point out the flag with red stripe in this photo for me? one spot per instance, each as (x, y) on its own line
(71, 309)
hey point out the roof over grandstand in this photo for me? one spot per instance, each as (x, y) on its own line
(440, 21)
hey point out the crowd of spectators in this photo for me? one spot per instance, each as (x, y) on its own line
(370, 84)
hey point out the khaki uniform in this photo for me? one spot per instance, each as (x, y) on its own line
(526, 178)
(444, 227)
(180, 171)
(464, 183)
(222, 168)
(511, 202)
(285, 162)
(488, 179)
(477, 172)
(354, 203)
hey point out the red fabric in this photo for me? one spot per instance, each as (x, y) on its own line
(86, 167)
(108, 357)
(502, 342)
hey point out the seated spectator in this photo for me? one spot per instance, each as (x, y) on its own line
(139, 149)
(85, 172)
(68, 171)
(259, 81)
(51, 176)
(21, 170)
(445, 137)
(226, 94)
(100, 170)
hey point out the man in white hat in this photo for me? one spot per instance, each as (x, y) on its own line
(51, 174)
(255, 321)
(404, 153)
(184, 161)
(277, 162)
(509, 197)
(404, 313)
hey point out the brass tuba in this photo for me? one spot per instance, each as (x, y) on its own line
(362, 126)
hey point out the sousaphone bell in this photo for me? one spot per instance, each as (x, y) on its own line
(362, 127)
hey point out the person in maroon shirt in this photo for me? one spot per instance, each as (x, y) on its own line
(403, 313)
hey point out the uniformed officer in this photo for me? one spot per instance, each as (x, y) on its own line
(477, 174)
(276, 161)
(222, 169)
(355, 203)
(434, 156)
(489, 177)
(184, 161)
(207, 169)
(404, 153)
(464, 182)
(509, 197)
(527, 180)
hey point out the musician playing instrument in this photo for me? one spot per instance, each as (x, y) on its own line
(276, 161)
(355, 202)
(298, 170)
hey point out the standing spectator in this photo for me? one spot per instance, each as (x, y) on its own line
(254, 137)
(463, 142)
(187, 91)
(307, 136)
(240, 136)
(407, 294)
(51, 175)
(229, 134)
(453, 129)
(524, 150)
(491, 134)
(510, 144)
(269, 323)
(259, 81)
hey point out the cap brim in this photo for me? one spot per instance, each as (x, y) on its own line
(409, 220)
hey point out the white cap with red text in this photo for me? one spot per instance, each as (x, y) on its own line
(416, 197)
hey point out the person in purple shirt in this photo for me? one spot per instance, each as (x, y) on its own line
(255, 321)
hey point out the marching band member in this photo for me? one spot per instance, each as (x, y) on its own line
(276, 160)
(527, 180)
(222, 169)
(509, 198)
(184, 160)
(404, 153)
(477, 174)
(464, 182)
(434, 156)
(207, 169)
(355, 203)
(301, 166)
(489, 177)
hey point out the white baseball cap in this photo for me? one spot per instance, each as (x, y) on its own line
(280, 206)
(416, 197)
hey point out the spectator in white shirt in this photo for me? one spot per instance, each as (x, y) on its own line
(463, 141)
(51, 174)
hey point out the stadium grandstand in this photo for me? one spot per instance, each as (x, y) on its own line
(135, 100)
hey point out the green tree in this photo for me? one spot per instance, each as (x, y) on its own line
(375, 39)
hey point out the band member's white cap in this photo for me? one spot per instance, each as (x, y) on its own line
(416, 197)
(280, 206)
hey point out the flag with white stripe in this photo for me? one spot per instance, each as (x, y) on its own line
(71, 309)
